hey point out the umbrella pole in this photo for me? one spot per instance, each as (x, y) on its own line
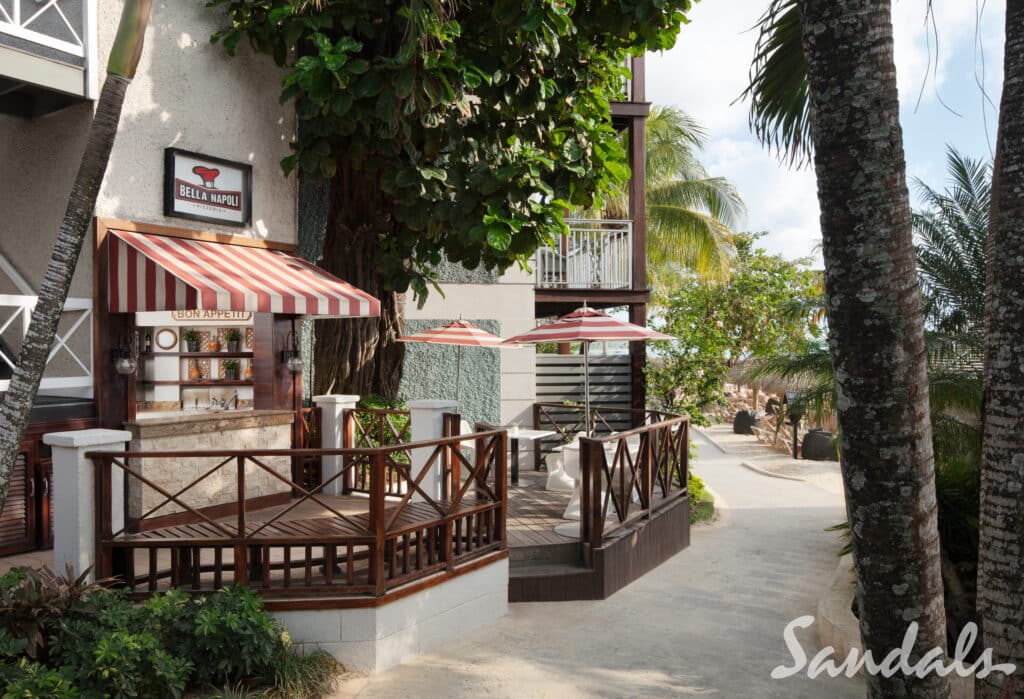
(458, 377)
(586, 386)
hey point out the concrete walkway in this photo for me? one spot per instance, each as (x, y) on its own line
(708, 621)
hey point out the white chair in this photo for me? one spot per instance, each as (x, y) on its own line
(558, 479)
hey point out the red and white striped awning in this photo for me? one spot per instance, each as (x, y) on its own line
(458, 332)
(586, 325)
(160, 273)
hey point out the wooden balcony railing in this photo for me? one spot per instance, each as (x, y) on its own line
(595, 254)
(324, 549)
(629, 476)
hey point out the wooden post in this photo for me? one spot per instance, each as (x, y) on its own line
(376, 572)
(241, 576)
(103, 516)
(592, 452)
(348, 432)
(500, 489)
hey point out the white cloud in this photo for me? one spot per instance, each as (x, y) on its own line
(708, 68)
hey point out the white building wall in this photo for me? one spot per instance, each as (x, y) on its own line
(187, 94)
(510, 301)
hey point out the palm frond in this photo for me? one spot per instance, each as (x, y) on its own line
(780, 114)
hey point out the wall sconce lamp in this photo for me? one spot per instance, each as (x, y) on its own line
(126, 357)
(292, 356)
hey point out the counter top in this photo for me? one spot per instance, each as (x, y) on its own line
(197, 421)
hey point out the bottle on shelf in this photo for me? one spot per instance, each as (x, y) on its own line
(147, 345)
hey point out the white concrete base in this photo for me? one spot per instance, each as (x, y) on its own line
(378, 638)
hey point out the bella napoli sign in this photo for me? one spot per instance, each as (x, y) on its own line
(205, 188)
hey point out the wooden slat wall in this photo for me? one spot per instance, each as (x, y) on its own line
(560, 378)
(17, 521)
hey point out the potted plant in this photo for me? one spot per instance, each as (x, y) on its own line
(230, 367)
(233, 338)
(191, 338)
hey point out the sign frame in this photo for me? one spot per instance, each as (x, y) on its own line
(243, 169)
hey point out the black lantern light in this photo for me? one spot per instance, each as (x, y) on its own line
(126, 357)
(291, 357)
(793, 401)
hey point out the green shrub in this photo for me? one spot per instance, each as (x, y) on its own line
(61, 637)
(27, 679)
(115, 652)
(233, 637)
(32, 603)
(702, 503)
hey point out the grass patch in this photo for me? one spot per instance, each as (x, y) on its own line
(702, 503)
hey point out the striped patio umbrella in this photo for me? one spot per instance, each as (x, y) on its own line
(462, 334)
(586, 326)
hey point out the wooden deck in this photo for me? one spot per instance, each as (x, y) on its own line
(533, 512)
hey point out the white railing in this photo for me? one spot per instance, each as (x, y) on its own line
(596, 254)
(57, 24)
(72, 344)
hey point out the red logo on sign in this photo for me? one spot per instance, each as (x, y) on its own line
(207, 174)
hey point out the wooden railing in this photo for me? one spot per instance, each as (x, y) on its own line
(629, 476)
(365, 428)
(309, 435)
(328, 548)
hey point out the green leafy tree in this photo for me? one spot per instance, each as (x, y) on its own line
(691, 215)
(765, 307)
(449, 130)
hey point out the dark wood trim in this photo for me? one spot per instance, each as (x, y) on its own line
(104, 225)
(629, 110)
(639, 81)
(198, 355)
(637, 364)
(646, 545)
(284, 605)
(221, 382)
(214, 511)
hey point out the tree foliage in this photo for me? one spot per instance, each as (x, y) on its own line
(482, 122)
(767, 307)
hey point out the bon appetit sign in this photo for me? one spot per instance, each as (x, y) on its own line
(205, 188)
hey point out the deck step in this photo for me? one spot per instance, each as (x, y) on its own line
(567, 553)
(544, 570)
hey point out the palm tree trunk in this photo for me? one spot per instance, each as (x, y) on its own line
(876, 334)
(53, 292)
(1001, 545)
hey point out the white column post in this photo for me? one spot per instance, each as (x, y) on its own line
(74, 494)
(427, 422)
(332, 426)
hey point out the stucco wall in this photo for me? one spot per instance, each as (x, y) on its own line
(187, 94)
(509, 304)
(429, 372)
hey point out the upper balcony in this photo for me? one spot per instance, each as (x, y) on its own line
(633, 102)
(47, 54)
(595, 254)
(593, 263)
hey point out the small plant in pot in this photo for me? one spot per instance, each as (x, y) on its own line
(230, 367)
(192, 339)
(233, 338)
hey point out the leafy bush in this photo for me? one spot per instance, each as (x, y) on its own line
(702, 503)
(61, 637)
(233, 638)
(31, 603)
(28, 679)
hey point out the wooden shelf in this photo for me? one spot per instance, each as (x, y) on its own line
(198, 355)
(240, 382)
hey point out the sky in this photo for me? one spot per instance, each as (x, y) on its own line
(708, 69)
